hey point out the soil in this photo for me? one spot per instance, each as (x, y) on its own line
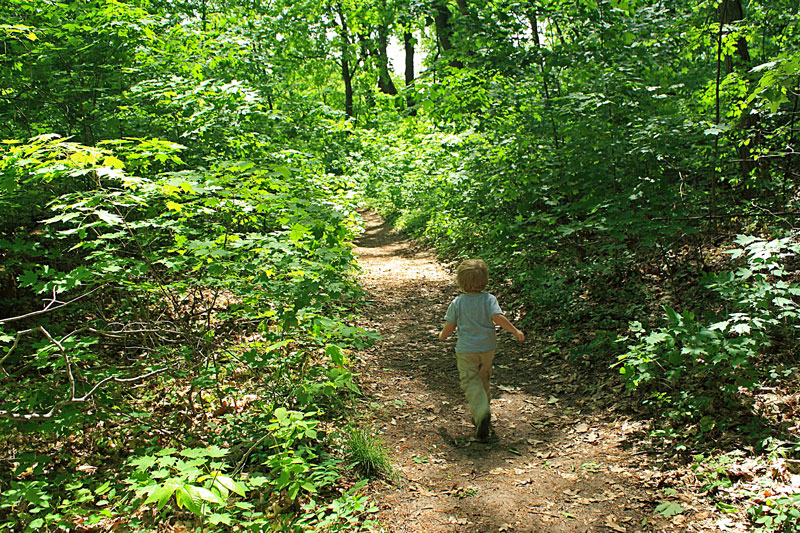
(565, 457)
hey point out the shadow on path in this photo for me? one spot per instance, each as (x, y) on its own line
(557, 464)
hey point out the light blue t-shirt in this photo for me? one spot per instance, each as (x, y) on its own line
(473, 313)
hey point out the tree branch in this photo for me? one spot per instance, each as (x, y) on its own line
(32, 417)
(49, 307)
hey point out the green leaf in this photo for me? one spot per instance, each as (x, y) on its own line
(109, 218)
(669, 509)
(102, 489)
(28, 278)
(166, 451)
(163, 493)
(216, 451)
(335, 353)
(143, 463)
(231, 485)
(217, 518)
(743, 328)
(672, 316)
(203, 494)
(194, 453)
(298, 232)
(185, 500)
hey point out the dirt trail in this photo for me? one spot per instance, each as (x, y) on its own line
(562, 460)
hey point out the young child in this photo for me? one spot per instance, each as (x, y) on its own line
(474, 314)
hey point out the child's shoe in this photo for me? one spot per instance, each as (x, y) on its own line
(484, 429)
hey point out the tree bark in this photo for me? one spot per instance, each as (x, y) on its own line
(408, 44)
(730, 11)
(444, 30)
(385, 83)
(347, 72)
(441, 20)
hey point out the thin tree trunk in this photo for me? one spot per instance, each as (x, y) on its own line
(408, 44)
(444, 30)
(347, 74)
(558, 32)
(787, 169)
(716, 123)
(545, 76)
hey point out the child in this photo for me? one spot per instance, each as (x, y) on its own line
(475, 313)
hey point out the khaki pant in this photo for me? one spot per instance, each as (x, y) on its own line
(474, 372)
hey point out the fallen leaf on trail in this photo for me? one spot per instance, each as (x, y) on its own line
(582, 427)
(668, 509)
(611, 522)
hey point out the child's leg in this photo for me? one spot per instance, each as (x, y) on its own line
(474, 376)
(485, 371)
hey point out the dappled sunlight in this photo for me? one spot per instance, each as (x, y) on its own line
(557, 463)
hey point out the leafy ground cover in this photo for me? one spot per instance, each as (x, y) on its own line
(193, 343)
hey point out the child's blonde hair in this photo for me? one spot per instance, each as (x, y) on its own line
(472, 275)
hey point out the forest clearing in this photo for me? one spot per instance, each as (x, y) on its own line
(230, 231)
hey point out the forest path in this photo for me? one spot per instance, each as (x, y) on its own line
(563, 459)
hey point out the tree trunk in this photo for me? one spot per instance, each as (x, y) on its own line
(715, 162)
(385, 83)
(347, 73)
(408, 44)
(730, 11)
(444, 30)
(441, 20)
(545, 76)
(535, 29)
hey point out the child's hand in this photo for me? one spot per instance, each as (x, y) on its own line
(519, 336)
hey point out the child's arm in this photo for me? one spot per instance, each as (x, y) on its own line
(503, 322)
(447, 330)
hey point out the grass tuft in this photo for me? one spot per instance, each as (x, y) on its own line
(366, 453)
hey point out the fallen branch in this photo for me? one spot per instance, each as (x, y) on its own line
(28, 417)
(244, 458)
(49, 307)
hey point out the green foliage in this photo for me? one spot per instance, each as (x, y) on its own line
(343, 514)
(688, 363)
(294, 464)
(777, 513)
(192, 478)
(762, 486)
